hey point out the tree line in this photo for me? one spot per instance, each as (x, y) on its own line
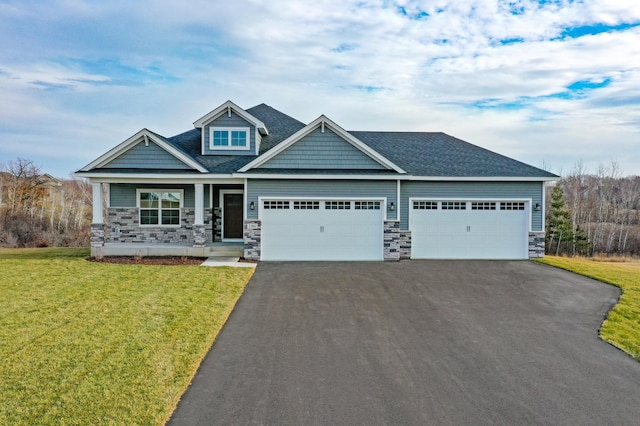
(38, 210)
(594, 213)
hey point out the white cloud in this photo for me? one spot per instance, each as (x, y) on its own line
(492, 72)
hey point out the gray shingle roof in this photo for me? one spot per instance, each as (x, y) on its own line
(418, 153)
(441, 155)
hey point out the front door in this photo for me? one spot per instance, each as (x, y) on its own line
(232, 216)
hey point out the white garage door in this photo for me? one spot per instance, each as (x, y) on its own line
(322, 229)
(469, 229)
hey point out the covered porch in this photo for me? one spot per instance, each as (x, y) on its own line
(174, 217)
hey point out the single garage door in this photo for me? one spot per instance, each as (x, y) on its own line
(322, 229)
(469, 229)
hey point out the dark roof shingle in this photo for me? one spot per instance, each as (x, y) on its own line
(432, 154)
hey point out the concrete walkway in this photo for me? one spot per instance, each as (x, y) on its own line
(228, 261)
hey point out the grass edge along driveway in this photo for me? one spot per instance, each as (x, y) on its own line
(96, 343)
(621, 328)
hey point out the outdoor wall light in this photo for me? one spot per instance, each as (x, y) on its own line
(252, 206)
(392, 207)
(537, 207)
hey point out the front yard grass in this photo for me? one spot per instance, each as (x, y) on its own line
(622, 326)
(94, 343)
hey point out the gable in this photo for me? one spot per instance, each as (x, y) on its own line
(144, 150)
(322, 150)
(146, 156)
(318, 156)
(229, 120)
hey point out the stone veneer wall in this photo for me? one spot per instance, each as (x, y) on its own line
(252, 239)
(405, 244)
(536, 245)
(217, 224)
(123, 227)
(391, 240)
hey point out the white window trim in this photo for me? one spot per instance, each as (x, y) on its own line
(159, 225)
(213, 147)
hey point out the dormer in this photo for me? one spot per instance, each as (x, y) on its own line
(230, 130)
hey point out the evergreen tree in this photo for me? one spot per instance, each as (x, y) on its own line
(559, 228)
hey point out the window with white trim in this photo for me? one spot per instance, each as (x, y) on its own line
(229, 138)
(159, 207)
(366, 205)
(512, 205)
(425, 205)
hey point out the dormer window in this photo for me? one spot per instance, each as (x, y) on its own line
(234, 138)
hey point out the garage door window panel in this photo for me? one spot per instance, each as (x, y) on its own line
(454, 205)
(367, 205)
(337, 205)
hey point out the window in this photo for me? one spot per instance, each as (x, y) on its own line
(367, 205)
(159, 207)
(282, 205)
(229, 138)
(510, 205)
(337, 205)
(306, 205)
(483, 206)
(454, 205)
(425, 205)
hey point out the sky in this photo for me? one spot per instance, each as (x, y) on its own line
(552, 83)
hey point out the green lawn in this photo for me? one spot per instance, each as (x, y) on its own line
(96, 343)
(622, 326)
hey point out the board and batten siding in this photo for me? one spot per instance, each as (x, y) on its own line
(124, 194)
(468, 190)
(225, 121)
(328, 189)
(146, 157)
(320, 150)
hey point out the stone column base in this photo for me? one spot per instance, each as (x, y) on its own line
(252, 239)
(536, 245)
(199, 236)
(391, 240)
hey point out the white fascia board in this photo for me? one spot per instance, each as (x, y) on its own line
(388, 177)
(222, 109)
(322, 121)
(315, 176)
(481, 178)
(165, 178)
(143, 134)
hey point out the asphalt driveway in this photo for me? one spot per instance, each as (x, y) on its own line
(415, 343)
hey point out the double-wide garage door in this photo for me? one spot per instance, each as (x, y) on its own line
(468, 229)
(322, 229)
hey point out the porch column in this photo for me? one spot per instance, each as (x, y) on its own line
(97, 222)
(97, 203)
(198, 225)
(199, 188)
